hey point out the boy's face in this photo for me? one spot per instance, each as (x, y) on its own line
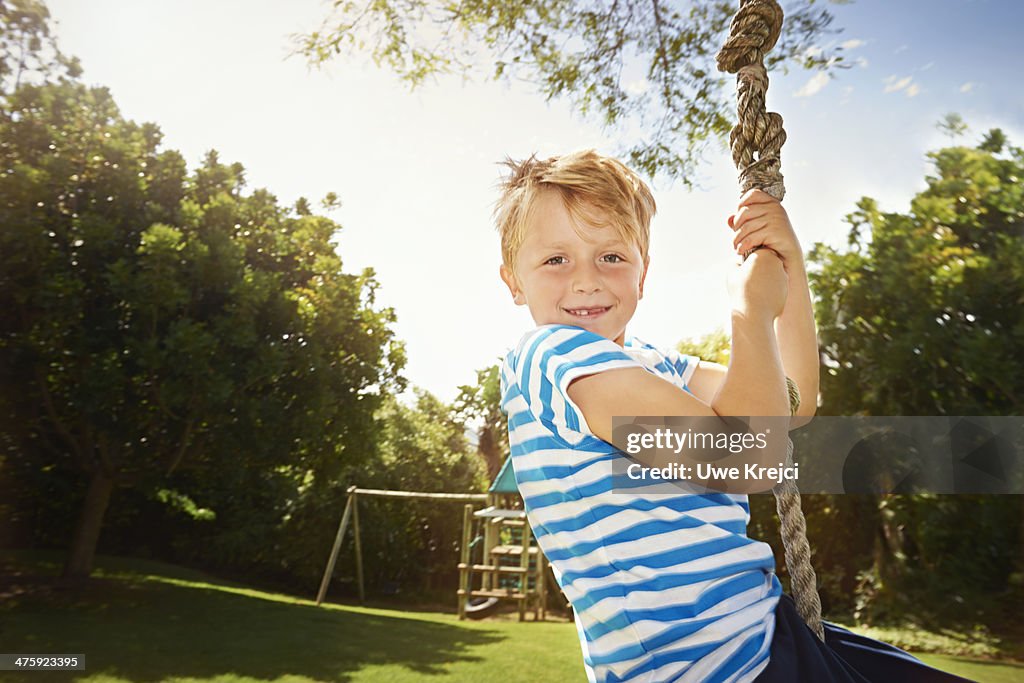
(593, 282)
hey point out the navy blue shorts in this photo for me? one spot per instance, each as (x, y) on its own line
(797, 656)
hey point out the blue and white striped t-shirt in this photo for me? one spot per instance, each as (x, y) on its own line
(664, 587)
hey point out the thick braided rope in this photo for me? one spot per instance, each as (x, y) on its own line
(794, 537)
(756, 140)
(756, 143)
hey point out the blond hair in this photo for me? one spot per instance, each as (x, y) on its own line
(589, 184)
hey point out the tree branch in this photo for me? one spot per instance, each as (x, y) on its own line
(62, 429)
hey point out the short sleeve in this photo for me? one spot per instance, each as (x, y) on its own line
(550, 358)
(670, 365)
(682, 366)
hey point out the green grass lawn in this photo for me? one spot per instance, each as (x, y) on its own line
(143, 622)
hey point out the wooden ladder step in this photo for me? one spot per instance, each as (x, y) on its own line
(493, 594)
(511, 550)
(493, 568)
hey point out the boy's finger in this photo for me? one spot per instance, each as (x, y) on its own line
(748, 238)
(738, 217)
(747, 213)
(745, 235)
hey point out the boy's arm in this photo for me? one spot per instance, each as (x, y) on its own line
(762, 221)
(706, 380)
(798, 347)
(798, 339)
(754, 384)
(755, 388)
(716, 389)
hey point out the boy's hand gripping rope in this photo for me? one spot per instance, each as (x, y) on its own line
(756, 143)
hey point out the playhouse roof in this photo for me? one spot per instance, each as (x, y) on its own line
(505, 482)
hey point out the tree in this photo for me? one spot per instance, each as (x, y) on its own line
(952, 126)
(28, 51)
(646, 68)
(923, 314)
(713, 347)
(423, 447)
(481, 403)
(155, 320)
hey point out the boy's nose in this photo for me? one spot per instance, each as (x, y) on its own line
(586, 281)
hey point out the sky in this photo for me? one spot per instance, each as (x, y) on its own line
(416, 171)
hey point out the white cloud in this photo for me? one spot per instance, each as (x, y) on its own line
(967, 87)
(901, 48)
(895, 83)
(927, 66)
(862, 62)
(851, 44)
(813, 86)
(812, 51)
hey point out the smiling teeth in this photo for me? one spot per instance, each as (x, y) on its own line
(585, 312)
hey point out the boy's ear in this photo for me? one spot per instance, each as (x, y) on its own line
(643, 276)
(509, 279)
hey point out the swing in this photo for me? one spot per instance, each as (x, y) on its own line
(756, 142)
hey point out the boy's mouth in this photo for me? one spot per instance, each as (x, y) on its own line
(592, 312)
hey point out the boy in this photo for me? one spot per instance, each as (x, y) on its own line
(664, 588)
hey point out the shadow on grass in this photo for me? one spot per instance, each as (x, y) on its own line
(151, 630)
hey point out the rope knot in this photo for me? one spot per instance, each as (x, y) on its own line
(754, 31)
(756, 140)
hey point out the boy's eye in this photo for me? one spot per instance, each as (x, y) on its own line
(555, 261)
(613, 258)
